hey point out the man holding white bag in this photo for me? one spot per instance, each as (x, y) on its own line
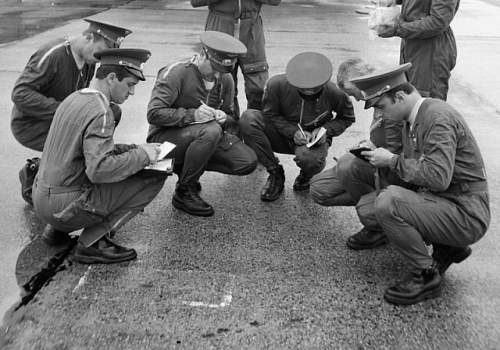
(427, 41)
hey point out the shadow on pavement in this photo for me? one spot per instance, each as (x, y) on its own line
(23, 19)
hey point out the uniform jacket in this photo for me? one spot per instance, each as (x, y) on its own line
(387, 134)
(440, 150)
(284, 106)
(80, 150)
(225, 14)
(178, 92)
(428, 43)
(49, 77)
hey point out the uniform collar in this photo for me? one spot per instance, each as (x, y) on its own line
(414, 112)
(93, 91)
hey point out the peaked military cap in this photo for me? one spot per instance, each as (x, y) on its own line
(131, 59)
(109, 32)
(223, 50)
(309, 70)
(375, 84)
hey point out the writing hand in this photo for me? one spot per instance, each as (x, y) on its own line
(301, 138)
(153, 151)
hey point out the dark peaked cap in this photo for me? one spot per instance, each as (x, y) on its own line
(109, 32)
(223, 49)
(375, 84)
(308, 70)
(130, 59)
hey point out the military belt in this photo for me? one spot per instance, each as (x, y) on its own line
(236, 15)
(466, 187)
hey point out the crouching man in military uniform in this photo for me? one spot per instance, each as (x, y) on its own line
(85, 180)
(191, 106)
(297, 105)
(439, 195)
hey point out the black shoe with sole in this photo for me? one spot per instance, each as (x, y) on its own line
(446, 255)
(52, 236)
(104, 251)
(367, 239)
(274, 185)
(186, 198)
(426, 285)
(302, 182)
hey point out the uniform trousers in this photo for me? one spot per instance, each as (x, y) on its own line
(263, 137)
(327, 189)
(99, 209)
(206, 147)
(254, 86)
(411, 219)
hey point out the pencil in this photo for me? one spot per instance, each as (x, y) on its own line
(302, 131)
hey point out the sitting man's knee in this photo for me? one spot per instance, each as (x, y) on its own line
(250, 115)
(345, 166)
(384, 201)
(316, 193)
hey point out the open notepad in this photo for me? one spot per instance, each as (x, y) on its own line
(319, 135)
(163, 165)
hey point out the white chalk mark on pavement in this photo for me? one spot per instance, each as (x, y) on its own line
(82, 280)
(226, 298)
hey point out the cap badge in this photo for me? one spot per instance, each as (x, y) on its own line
(130, 65)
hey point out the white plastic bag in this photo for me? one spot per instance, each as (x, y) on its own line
(382, 16)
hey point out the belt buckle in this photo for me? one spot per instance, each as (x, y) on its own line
(237, 15)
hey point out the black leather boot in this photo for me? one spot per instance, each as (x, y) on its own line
(367, 239)
(55, 237)
(426, 285)
(446, 255)
(302, 182)
(104, 251)
(186, 198)
(274, 185)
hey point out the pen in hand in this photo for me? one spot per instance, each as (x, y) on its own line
(302, 131)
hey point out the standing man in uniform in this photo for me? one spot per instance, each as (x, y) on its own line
(85, 179)
(56, 70)
(440, 195)
(427, 41)
(241, 19)
(297, 105)
(191, 106)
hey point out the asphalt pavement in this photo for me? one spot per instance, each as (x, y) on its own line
(255, 275)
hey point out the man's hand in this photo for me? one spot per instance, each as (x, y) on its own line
(204, 113)
(300, 139)
(365, 143)
(220, 116)
(379, 157)
(386, 30)
(313, 136)
(153, 151)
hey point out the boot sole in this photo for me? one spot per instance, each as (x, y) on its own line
(377, 243)
(180, 206)
(273, 198)
(430, 294)
(83, 259)
(464, 254)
